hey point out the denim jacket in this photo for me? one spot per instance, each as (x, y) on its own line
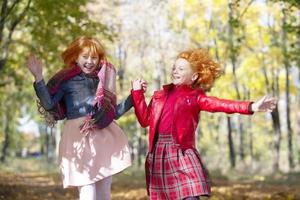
(78, 94)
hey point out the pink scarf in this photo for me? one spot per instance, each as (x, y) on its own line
(105, 100)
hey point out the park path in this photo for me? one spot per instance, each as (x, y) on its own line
(43, 186)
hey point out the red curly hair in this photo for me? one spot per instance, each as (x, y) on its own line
(201, 63)
(71, 54)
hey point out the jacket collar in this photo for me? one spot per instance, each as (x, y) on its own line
(170, 86)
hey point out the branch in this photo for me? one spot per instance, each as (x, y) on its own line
(4, 83)
(5, 12)
(19, 18)
(2, 16)
(245, 10)
(11, 30)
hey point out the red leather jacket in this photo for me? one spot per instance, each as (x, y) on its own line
(186, 110)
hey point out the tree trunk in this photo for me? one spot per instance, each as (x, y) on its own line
(289, 126)
(287, 92)
(298, 116)
(277, 138)
(137, 145)
(249, 128)
(140, 150)
(121, 55)
(2, 63)
(230, 143)
(241, 134)
(233, 55)
(273, 88)
(3, 15)
(298, 113)
(52, 144)
(6, 137)
(47, 142)
(250, 138)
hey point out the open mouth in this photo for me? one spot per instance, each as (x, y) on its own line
(88, 66)
(175, 77)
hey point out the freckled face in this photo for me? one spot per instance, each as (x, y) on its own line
(87, 61)
(182, 72)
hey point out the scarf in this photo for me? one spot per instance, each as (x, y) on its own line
(104, 102)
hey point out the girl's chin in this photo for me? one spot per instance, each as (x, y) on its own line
(88, 71)
(176, 82)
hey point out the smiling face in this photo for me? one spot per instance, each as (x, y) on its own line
(87, 60)
(182, 73)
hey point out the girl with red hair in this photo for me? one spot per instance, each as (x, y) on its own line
(92, 147)
(174, 169)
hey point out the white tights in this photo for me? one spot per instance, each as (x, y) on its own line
(96, 191)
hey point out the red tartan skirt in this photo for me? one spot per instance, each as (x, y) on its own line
(173, 173)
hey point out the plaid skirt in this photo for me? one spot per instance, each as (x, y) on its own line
(173, 173)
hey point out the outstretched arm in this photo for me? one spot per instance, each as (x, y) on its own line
(214, 104)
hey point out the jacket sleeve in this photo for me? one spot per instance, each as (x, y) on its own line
(124, 106)
(214, 104)
(142, 111)
(47, 101)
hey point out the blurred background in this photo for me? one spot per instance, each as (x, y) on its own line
(257, 42)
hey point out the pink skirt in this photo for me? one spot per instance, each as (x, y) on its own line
(87, 159)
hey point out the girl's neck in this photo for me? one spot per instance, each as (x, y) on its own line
(183, 86)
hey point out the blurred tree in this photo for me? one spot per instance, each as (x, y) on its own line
(11, 14)
(44, 28)
(291, 26)
(287, 66)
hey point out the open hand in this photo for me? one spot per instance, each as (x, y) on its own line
(265, 104)
(35, 67)
(139, 84)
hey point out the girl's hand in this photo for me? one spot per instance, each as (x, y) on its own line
(136, 84)
(35, 67)
(265, 104)
(144, 85)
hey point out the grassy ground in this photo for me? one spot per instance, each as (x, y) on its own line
(35, 180)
